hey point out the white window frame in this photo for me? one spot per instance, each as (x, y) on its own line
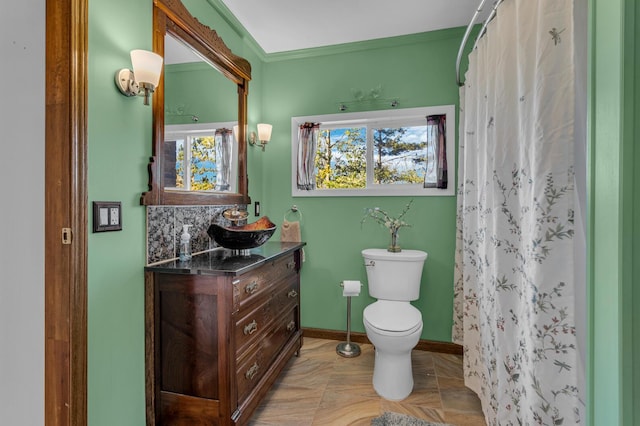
(184, 131)
(404, 117)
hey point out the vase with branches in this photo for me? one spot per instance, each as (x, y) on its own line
(393, 224)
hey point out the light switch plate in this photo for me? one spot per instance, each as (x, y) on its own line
(107, 216)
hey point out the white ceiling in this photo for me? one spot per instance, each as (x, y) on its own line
(283, 25)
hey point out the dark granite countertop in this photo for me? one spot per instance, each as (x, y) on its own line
(224, 261)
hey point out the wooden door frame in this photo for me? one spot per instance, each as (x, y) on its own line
(65, 293)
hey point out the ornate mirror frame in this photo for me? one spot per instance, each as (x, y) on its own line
(172, 17)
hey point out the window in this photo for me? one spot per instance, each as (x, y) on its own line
(199, 157)
(393, 152)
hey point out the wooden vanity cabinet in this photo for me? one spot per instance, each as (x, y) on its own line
(215, 343)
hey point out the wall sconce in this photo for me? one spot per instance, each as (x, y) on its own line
(264, 135)
(262, 138)
(147, 67)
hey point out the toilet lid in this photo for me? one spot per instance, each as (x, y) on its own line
(390, 315)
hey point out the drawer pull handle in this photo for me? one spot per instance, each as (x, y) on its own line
(252, 371)
(252, 288)
(250, 328)
(292, 294)
(291, 325)
(291, 265)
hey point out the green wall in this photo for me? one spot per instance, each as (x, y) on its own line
(614, 240)
(119, 139)
(633, 398)
(417, 71)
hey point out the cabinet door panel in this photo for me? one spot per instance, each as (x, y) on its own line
(189, 344)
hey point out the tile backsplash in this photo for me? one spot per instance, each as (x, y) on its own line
(164, 226)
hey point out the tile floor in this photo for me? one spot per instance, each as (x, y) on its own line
(322, 388)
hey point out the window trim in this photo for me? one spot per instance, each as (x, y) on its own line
(368, 118)
(199, 129)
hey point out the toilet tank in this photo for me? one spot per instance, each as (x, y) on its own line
(394, 276)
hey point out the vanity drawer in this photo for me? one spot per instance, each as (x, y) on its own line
(250, 371)
(286, 325)
(251, 326)
(254, 319)
(286, 295)
(250, 286)
(258, 358)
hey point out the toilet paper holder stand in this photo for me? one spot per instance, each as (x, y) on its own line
(348, 349)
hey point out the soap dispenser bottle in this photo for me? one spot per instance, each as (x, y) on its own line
(185, 244)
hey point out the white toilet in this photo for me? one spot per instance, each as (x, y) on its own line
(392, 324)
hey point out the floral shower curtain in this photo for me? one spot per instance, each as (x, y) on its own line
(514, 277)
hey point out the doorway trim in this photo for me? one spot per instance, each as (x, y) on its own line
(65, 304)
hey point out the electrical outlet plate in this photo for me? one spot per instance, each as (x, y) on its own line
(107, 216)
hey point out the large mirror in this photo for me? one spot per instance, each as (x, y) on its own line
(200, 150)
(202, 95)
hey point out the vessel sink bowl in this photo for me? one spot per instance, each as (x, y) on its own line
(243, 237)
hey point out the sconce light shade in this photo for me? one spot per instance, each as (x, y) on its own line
(147, 67)
(264, 133)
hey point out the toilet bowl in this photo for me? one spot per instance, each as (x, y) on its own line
(392, 324)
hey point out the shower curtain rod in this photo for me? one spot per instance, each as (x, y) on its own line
(468, 31)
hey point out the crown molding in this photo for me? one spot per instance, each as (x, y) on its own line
(426, 37)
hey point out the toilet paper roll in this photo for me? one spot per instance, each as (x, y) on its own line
(351, 288)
